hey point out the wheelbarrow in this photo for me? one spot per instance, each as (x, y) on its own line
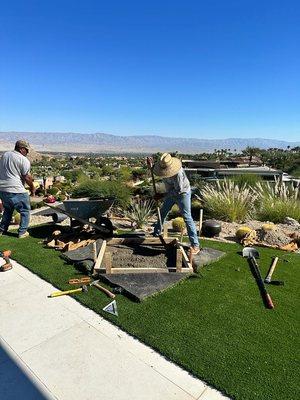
(81, 210)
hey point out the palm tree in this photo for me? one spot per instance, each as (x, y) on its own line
(251, 152)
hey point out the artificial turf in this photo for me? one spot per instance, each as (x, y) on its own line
(214, 325)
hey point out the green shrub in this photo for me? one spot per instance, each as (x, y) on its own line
(248, 180)
(74, 175)
(139, 212)
(228, 202)
(40, 204)
(54, 190)
(278, 209)
(196, 207)
(33, 205)
(95, 189)
(278, 201)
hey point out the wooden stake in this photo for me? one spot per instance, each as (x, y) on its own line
(100, 256)
(165, 231)
(181, 236)
(200, 221)
(178, 260)
(95, 251)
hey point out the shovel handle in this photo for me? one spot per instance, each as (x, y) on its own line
(269, 301)
(265, 295)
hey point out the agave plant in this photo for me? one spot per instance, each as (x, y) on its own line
(139, 212)
(229, 202)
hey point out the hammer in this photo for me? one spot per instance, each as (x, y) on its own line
(83, 288)
(103, 289)
(268, 278)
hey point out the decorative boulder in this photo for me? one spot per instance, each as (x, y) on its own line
(291, 221)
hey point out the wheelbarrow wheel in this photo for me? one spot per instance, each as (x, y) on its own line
(106, 226)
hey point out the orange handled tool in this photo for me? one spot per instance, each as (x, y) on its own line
(103, 289)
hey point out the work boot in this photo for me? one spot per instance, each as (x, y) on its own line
(24, 235)
(194, 250)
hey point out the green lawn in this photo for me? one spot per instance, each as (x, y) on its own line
(215, 326)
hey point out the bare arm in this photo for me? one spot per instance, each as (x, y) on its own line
(29, 180)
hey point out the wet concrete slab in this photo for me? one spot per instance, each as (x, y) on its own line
(207, 256)
(139, 286)
(142, 285)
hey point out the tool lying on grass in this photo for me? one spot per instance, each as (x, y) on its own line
(111, 308)
(103, 289)
(7, 266)
(78, 281)
(83, 288)
(251, 254)
(268, 278)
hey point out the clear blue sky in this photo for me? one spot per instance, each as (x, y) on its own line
(210, 69)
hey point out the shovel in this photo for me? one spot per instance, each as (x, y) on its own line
(252, 254)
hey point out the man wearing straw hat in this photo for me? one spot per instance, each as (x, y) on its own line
(178, 190)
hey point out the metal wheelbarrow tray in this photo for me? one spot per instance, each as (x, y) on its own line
(83, 209)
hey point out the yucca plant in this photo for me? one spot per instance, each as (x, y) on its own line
(229, 202)
(139, 212)
(278, 201)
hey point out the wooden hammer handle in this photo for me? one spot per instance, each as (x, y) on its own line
(104, 290)
(271, 270)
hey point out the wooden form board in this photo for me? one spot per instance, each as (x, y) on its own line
(153, 241)
(181, 257)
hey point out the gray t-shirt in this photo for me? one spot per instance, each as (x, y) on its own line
(13, 166)
(177, 184)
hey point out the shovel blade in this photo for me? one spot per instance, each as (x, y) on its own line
(250, 252)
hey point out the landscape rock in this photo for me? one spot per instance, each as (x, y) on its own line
(291, 221)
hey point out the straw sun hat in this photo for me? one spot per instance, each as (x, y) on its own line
(167, 166)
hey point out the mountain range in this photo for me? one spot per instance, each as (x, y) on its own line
(107, 143)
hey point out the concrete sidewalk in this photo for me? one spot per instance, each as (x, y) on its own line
(62, 350)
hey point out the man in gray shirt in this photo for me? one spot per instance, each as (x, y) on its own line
(14, 173)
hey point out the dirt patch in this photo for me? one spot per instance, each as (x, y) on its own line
(138, 257)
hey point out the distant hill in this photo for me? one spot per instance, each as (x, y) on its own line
(105, 143)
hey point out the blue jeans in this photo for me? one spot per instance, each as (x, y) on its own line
(184, 203)
(19, 202)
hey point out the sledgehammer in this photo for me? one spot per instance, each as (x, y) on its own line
(83, 288)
